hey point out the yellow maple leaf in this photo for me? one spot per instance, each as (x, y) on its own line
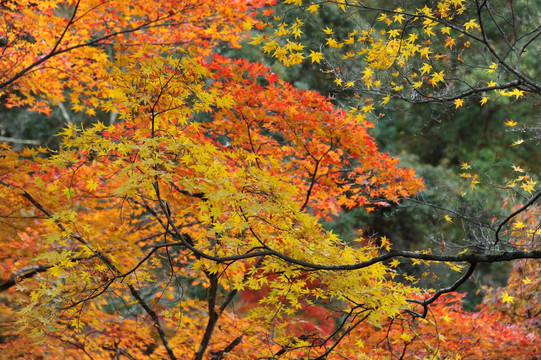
(492, 68)
(297, 32)
(350, 40)
(239, 286)
(506, 298)
(425, 10)
(315, 56)
(91, 185)
(332, 43)
(313, 8)
(483, 100)
(410, 278)
(455, 267)
(328, 31)
(295, 58)
(385, 243)
(510, 123)
(399, 18)
(529, 186)
(450, 42)
(406, 337)
(474, 181)
(471, 24)
(219, 227)
(458, 103)
(269, 46)
(448, 218)
(425, 68)
(367, 108)
(394, 33)
(256, 40)
(77, 107)
(294, 2)
(55, 270)
(394, 263)
(425, 52)
(69, 193)
(437, 77)
(517, 93)
(412, 37)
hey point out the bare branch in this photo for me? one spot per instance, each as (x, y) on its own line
(440, 292)
(515, 213)
(19, 141)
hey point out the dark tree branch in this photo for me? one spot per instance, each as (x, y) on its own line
(515, 213)
(24, 273)
(29, 272)
(155, 319)
(212, 314)
(314, 176)
(119, 351)
(440, 292)
(341, 337)
(218, 355)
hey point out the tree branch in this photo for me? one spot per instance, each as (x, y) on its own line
(24, 273)
(19, 141)
(218, 355)
(213, 315)
(515, 213)
(440, 292)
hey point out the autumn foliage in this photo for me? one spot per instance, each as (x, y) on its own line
(191, 227)
(40, 62)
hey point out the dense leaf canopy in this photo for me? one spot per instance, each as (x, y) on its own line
(188, 218)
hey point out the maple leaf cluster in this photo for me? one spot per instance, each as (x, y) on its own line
(433, 53)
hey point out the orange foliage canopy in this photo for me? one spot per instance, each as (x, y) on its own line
(448, 332)
(52, 46)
